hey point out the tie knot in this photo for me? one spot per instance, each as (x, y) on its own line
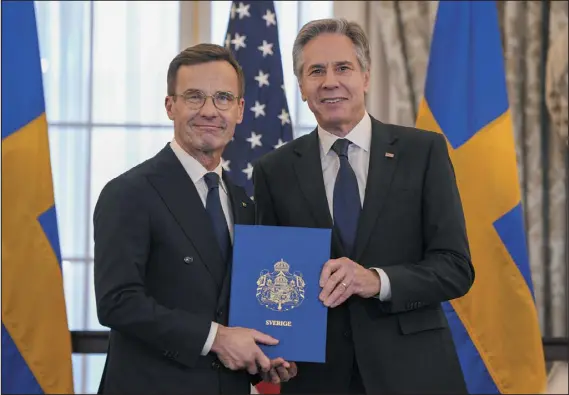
(340, 147)
(212, 180)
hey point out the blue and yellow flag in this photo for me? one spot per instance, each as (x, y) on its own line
(36, 343)
(495, 326)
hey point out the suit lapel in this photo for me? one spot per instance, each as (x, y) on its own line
(308, 168)
(238, 203)
(182, 199)
(381, 170)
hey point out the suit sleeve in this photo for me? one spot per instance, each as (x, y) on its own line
(264, 207)
(122, 236)
(446, 272)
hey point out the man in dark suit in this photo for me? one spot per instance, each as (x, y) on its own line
(163, 251)
(399, 240)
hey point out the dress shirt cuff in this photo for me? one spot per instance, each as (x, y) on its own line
(210, 338)
(385, 289)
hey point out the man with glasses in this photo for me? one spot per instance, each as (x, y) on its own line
(163, 246)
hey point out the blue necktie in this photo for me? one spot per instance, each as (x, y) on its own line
(347, 206)
(215, 211)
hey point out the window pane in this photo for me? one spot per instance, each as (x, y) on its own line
(91, 310)
(63, 29)
(130, 146)
(311, 10)
(133, 45)
(219, 21)
(95, 366)
(74, 285)
(69, 152)
(87, 372)
(77, 362)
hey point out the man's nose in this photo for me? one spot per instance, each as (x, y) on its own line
(208, 109)
(330, 80)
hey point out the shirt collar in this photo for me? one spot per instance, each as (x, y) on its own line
(360, 135)
(195, 169)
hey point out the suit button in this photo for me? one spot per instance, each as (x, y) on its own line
(215, 365)
(188, 259)
(219, 313)
(347, 334)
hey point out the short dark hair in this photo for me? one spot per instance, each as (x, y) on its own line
(203, 53)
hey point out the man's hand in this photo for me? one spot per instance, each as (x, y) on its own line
(342, 278)
(281, 371)
(237, 349)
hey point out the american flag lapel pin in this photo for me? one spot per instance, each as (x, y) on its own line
(389, 155)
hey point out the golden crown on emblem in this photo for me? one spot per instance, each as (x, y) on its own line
(281, 266)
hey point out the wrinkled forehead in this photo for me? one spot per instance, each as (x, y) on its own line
(208, 77)
(328, 50)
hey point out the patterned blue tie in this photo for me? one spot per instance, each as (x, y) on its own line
(215, 211)
(347, 206)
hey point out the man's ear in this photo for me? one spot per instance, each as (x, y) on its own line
(241, 110)
(366, 81)
(169, 105)
(302, 95)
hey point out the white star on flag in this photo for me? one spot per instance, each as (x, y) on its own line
(239, 41)
(262, 79)
(284, 117)
(225, 164)
(266, 48)
(243, 10)
(270, 18)
(280, 143)
(258, 109)
(255, 140)
(233, 10)
(248, 171)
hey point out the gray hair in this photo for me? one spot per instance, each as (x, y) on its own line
(339, 26)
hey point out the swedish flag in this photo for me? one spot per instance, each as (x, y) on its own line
(495, 326)
(36, 345)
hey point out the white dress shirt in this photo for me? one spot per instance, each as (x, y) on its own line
(358, 156)
(197, 172)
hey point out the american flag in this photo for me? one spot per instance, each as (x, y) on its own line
(252, 36)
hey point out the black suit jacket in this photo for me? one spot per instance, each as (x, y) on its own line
(412, 226)
(160, 281)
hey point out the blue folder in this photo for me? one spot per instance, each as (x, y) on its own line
(275, 288)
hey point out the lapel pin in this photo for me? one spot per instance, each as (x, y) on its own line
(244, 204)
(389, 155)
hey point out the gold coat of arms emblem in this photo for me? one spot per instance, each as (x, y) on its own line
(280, 290)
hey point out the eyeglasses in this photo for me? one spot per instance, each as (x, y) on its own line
(196, 99)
